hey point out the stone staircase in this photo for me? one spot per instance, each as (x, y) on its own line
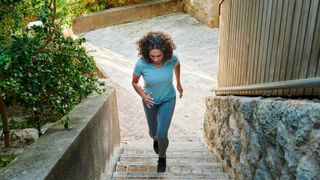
(187, 158)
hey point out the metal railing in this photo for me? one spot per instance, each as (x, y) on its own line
(300, 83)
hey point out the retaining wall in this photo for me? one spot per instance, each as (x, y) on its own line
(87, 151)
(125, 14)
(265, 138)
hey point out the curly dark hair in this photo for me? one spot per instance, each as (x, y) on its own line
(156, 40)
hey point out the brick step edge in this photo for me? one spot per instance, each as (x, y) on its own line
(169, 154)
(170, 149)
(170, 161)
(150, 147)
(192, 159)
(217, 165)
(171, 145)
(175, 156)
(173, 139)
(217, 175)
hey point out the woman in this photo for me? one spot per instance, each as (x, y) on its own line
(156, 66)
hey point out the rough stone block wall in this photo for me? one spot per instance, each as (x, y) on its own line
(265, 138)
(206, 11)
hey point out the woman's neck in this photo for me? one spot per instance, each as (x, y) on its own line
(159, 64)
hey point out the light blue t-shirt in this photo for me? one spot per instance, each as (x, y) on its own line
(157, 80)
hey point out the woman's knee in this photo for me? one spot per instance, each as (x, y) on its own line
(162, 137)
(152, 135)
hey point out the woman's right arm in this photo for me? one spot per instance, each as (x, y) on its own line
(146, 98)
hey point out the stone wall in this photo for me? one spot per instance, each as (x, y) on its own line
(88, 150)
(265, 138)
(206, 11)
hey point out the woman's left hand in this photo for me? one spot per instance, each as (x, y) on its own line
(180, 90)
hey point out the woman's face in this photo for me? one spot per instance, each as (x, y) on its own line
(156, 55)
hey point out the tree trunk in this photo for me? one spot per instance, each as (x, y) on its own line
(5, 123)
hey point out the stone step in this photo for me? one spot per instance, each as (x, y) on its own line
(166, 175)
(172, 141)
(187, 158)
(170, 151)
(172, 167)
(170, 159)
(171, 146)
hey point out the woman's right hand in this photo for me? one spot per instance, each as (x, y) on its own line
(148, 100)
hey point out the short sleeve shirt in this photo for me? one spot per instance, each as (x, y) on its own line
(157, 80)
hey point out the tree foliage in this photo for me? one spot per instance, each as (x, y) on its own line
(40, 68)
(105, 4)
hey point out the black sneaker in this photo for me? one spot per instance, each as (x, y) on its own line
(161, 165)
(156, 146)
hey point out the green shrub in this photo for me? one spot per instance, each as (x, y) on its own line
(41, 69)
(5, 159)
(98, 5)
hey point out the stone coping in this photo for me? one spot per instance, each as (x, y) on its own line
(125, 14)
(84, 151)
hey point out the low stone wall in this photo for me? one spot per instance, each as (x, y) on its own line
(206, 11)
(265, 138)
(86, 151)
(125, 14)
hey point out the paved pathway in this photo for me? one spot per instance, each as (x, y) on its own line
(115, 51)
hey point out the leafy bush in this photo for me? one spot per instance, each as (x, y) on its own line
(5, 160)
(54, 79)
(98, 5)
(67, 10)
(40, 68)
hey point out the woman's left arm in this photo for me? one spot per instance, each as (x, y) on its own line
(177, 73)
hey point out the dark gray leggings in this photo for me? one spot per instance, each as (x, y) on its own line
(159, 118)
